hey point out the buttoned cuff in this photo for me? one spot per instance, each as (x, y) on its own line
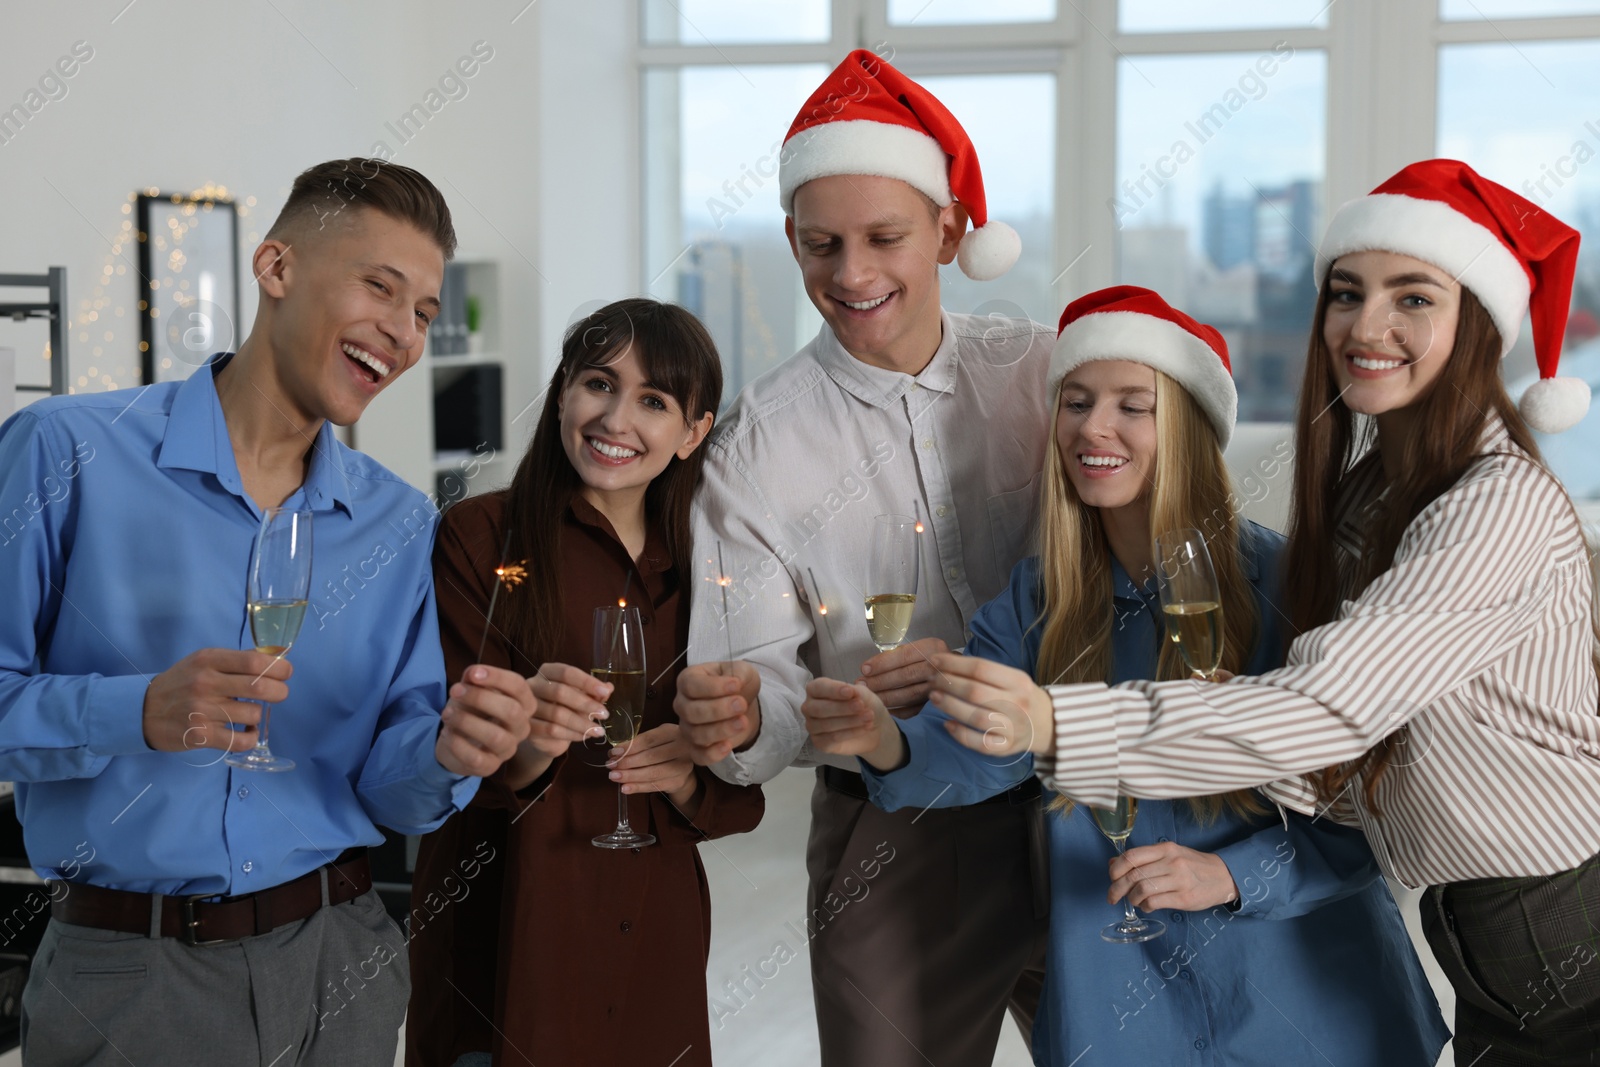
(1241, 859)
(734, 770)
(1084, 764)
(114, 715)
(780, 743)
(435, 777)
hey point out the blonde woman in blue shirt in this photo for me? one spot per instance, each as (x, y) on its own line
(1281, 938)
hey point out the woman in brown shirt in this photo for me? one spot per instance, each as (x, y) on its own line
(527, 941)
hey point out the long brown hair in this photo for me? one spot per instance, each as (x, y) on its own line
(1332, 447)
(676, 353)
(1190, 488)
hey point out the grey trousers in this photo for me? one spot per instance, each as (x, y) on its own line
(331, 989)
(925, 927)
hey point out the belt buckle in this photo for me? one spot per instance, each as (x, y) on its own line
(191, 921)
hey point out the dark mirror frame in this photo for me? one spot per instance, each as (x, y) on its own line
(189, 348)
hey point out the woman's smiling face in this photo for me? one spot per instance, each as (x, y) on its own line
(619, 430)
(1390, 326)
(1106, 431)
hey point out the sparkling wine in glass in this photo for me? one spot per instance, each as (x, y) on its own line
(1191, 602)
(619, 659)
(1117, 823)
(894, 566)
(280, 585)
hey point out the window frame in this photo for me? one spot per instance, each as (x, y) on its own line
(1382, 70)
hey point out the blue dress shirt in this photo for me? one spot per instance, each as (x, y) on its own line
(1314, 964)
(125, 542)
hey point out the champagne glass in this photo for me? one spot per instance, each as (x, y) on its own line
(1191, 602)
(893, 568)
(280, 584)
(619, 659)
(1117, 823)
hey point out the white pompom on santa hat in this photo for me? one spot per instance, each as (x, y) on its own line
(1126, 322)
(1514, 256)
(868, 118)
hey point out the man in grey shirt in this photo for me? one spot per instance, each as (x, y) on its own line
(896, 407)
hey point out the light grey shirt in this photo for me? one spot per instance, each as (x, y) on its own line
(806, 458)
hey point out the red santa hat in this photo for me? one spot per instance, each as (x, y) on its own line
(868, 118)
(1515, 257)
(1127, 322)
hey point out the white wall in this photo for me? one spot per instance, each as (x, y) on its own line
(538, 159)
(176, 94)
(589, 188)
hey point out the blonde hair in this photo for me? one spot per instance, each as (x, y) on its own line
(1190, 488)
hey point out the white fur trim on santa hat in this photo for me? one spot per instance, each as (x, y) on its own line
(1436, 233)
(1555, 405)
(1166, 346)
(988, 252)
(861, 146)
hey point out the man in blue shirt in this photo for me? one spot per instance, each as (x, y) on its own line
(203, 914)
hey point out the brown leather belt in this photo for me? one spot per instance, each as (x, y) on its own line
(200, 921)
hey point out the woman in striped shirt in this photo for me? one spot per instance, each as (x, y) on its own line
(1443, 691)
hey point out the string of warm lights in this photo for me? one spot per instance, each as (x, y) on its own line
(107, 300)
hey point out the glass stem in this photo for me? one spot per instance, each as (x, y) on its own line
(261, 730)
(1129, 916)
(622, 812)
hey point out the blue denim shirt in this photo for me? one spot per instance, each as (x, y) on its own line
(1314, 964)
(125, 541)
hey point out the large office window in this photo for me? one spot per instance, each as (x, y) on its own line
(1208, 16)
(1490, 10)
(714, 118)
(1011, 120)
(1219, 201)
(1527, 114)
(968, 12)
(715, 240)
(1195, 146)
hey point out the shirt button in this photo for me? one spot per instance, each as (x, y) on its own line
(247, 866)
(1177, 916)
(243, 792)
(626, 926)
(941, 511)
(1200, 1043)
(927, 442)
(1162, 839)
(954, 572)
(1185, 975)
(649, 690)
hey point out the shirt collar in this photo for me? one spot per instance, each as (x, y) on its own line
(1249, 551)
(881, 387)
(653, 560)
(1495, 437)
(1365, 488)
(196, 438)
(1122, 587)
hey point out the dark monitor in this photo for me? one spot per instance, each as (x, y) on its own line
(466, 408)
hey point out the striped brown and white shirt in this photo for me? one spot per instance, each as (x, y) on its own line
(1478, 639)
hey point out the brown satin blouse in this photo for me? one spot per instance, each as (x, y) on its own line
(527, 941)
